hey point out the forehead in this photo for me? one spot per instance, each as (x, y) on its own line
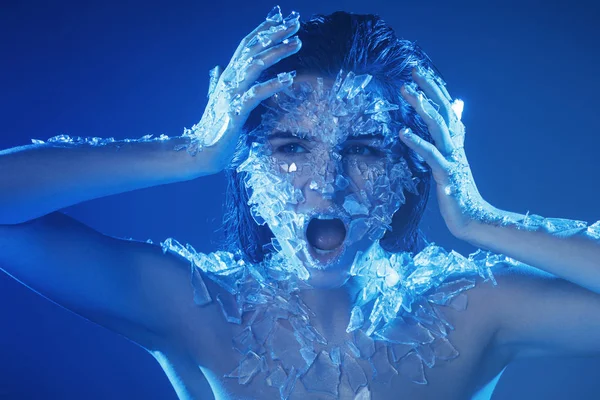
(329, 110)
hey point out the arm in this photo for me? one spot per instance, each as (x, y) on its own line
(573, 255)
(540, 315)
(126, 286)
(129, 287)
(38, 179)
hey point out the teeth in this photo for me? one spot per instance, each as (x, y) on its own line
(319, 251)
(325, 217)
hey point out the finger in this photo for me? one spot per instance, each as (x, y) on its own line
(435, 122)
(432, 90)
(445, 92)
(214, 75)
(271, 56)
(271, 37)
(262, 91)
(273, 18)
(436, 161)
(268, 35)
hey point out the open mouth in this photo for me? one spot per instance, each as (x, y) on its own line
(326, 237)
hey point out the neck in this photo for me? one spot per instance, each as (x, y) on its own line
(332, 307)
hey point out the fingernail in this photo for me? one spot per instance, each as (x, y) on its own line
(411, 88)
(286, 77)
(275, 15)
(429, 106)
(291, 19)
(407, 133)
(292, 41)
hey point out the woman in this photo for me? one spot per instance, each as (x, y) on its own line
(325, 165)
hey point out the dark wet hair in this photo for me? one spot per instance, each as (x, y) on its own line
(362, 44)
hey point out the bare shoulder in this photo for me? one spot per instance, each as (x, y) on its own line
(478, 315)
(130, 287)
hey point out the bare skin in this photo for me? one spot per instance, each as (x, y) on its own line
(137, 291)
(480, 363)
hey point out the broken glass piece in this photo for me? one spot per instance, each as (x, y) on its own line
(285, 77)
(67, 141)
(363, 394)
(359, 84)
(336, 355)
(248, 368)
(460, 302)
(594, 230)
(354, 206)
(214, 75)
(230, 308)
(353, 372)
(555, 225)
(357, 230)
(405, 331)
(411, 366)
(352, 348)
(201, 295)
(423, 328)
(380, 105)
(285, 348)
(275, 15)
(364, 344)
(427, 355)
(289, 384)
(245, 342)
(307, 331)
(458, 106)
(376, 315)
(357, 319)
(277, 377)
(532, 221)
(443, 349)
(308, 354)
(398, 351)
(291, 19)
(323, 376)
(341, 182)
(447, 291)
(262, 328)
(383, 371)
(347, 86)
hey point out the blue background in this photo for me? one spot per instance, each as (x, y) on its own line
(527, 72)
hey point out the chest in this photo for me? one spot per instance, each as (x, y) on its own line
(391, 372)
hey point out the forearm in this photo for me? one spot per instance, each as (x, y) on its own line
(573, 254)
(41, 178)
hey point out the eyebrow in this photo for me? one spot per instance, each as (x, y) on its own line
(283, 135)
(290, 135)
(365, 137)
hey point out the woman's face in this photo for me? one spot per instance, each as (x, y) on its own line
(325, 173)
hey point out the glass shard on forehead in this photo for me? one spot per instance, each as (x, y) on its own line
(330, 114)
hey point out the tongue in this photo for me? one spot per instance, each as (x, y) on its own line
(326, 234)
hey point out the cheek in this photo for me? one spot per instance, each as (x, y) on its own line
(364, 173)
(295, 170)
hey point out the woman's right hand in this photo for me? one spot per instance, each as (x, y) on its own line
(235, 93)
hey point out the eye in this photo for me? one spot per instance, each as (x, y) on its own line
(291, 148)
(360, 150)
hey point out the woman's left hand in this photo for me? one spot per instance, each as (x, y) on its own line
(461, 205)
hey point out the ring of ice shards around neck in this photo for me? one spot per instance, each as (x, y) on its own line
(327, 116)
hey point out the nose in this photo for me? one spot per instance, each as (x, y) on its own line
(325, 182)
